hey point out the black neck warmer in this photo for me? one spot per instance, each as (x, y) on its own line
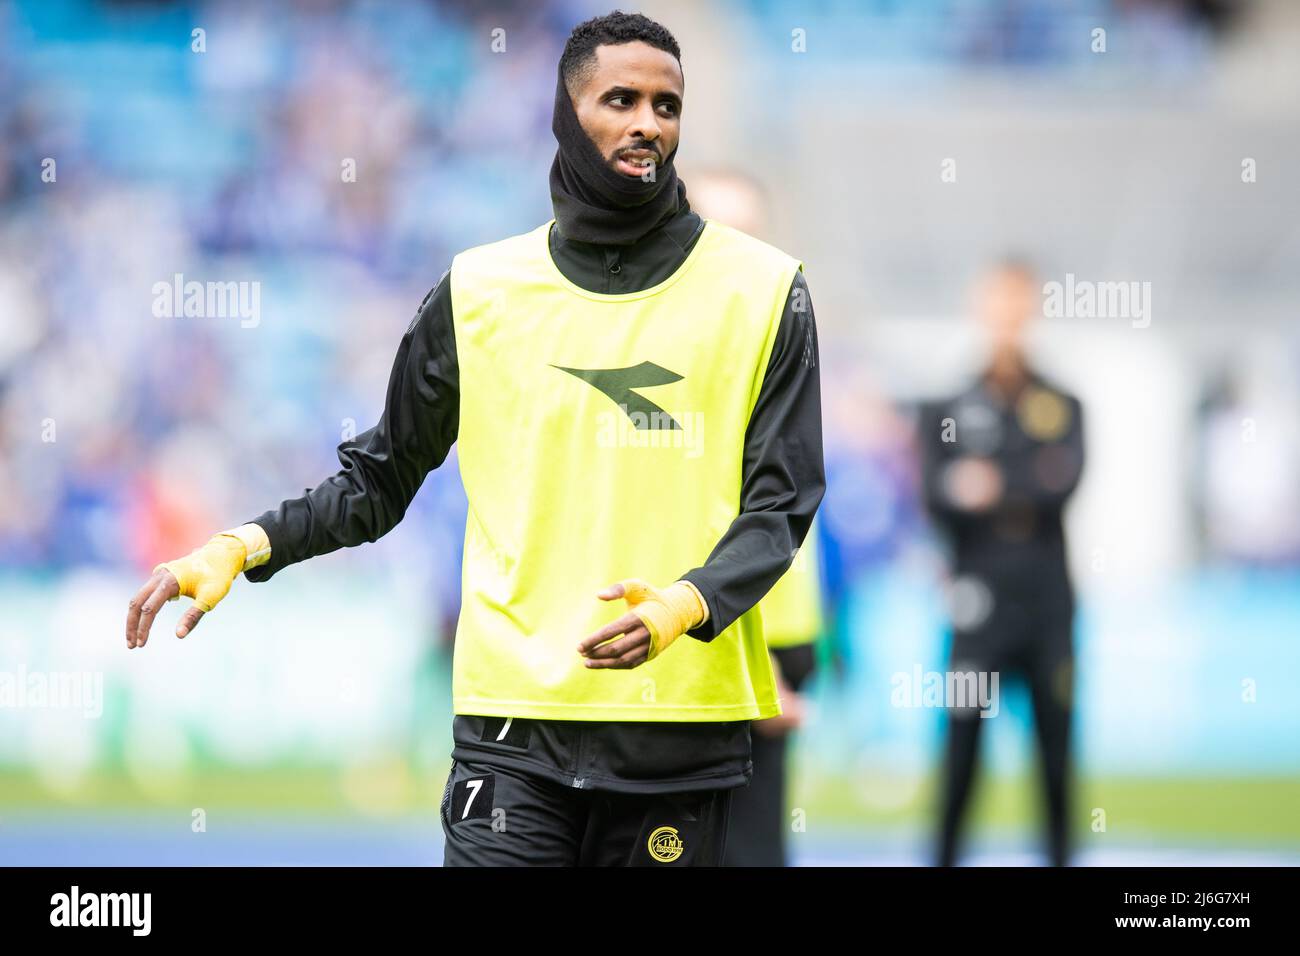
(595, 203)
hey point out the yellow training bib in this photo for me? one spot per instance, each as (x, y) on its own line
(602, 438)
(792, 610)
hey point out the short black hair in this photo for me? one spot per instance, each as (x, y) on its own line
(1016, 264)
(579, 57)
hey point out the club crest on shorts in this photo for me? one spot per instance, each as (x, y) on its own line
(665, 845)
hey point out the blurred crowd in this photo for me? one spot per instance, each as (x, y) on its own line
(222, 155)
(337, 155)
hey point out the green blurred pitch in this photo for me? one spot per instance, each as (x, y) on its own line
(1253, 809)
(1247, 809)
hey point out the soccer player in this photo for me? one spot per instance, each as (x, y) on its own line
(633, 391)
(791, 611)
(1000, 460)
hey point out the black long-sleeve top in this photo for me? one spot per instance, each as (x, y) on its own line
(783, 480)
(1015, 547)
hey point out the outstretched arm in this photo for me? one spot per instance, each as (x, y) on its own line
(385, 466)
(382, 470)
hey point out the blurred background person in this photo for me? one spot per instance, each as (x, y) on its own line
(792, 610)
(1000, 460)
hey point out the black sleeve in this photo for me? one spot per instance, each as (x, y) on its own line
(783, 476)
(936, 456)
(1042, 475)
(385, 466)
(1045, 474)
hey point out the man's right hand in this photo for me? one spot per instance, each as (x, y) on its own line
(794, 712)
(793, 707)
(975, 484)
(204, 575)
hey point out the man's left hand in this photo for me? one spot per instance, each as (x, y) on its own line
(658, 618)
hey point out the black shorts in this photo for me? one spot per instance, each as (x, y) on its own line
(495, 815)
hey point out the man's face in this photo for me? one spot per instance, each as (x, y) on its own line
(631, 106)
(1006, 301)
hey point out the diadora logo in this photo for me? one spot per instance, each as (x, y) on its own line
(618, 383)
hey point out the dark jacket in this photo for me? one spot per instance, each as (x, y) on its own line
(1015, 549)
(783, 481)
